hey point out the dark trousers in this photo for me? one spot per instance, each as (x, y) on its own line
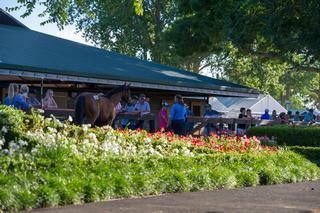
(178, 127)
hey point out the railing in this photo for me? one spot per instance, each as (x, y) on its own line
(149, 123)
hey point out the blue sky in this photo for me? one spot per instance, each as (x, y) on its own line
(33, 22)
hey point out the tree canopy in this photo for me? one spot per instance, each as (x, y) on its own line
(270, 45)
(286, 30)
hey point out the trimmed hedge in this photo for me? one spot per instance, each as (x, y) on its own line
(56, 178)
(289, 135)
(311, 153)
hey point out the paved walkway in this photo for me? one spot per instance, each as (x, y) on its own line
(298, 197)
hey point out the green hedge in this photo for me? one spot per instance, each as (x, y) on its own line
(289, 135)
(311, 153)
(56, 178)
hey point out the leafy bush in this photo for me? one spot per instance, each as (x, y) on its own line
(48, 163)
(289, 135)
(311, 153)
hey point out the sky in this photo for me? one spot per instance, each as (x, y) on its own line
(33, 22)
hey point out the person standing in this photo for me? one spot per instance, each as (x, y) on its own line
(296, 117)
(48, 101)
(163, 116)
(242, 127)
(15, 99)
(32, 100)
(24, 91)
(130, 107)
(178, 116)
(274, 115)
(143, 107)
(309, 117)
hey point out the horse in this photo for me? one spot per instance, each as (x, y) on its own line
(99, 109)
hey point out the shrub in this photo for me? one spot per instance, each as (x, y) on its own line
(311, 153)
(49, 163)
(289, 135)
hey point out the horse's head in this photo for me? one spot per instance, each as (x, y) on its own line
(126, 93)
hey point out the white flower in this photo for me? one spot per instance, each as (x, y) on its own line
(34, 150)
(85, 127)
(147, 140)
(40, 110)
(175, 151)
(70, 119)
(13, 146)
(4, 129)
(23, 143)
(93, 136)
(2, 141)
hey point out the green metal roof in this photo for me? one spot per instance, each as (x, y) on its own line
(28, 50)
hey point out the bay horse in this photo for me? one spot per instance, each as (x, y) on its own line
(99, 109)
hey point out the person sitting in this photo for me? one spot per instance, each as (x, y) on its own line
(15, 99)
(130, 108)
(289, 115)
(309, 117)
(242, 127)
(209, 113)
(48, 101)
(143, 108)
(274, 115)
(296, 117)
(163, 116)
(266, 115)
(178, 115)
(32, 100)
(283, 118)
(189, 125)
(249, 114)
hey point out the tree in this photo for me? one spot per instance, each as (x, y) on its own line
(115, 25)
(286, 30)
(270, 77)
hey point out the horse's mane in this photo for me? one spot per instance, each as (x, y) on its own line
(114, 91)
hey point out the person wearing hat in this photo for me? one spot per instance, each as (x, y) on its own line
(163, 116)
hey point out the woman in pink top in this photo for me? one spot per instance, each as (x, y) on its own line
(163, 116)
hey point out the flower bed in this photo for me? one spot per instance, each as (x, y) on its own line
(44, 162)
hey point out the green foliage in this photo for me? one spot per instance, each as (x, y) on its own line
(311, 153)
(78, 181)
(289, 135)
(63, 164)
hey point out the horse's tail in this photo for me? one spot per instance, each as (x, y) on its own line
(80, 110)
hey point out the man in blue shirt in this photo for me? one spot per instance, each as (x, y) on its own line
(266, 115)
(308, 117)
(178, 115)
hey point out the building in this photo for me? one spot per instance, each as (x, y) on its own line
(38, 59)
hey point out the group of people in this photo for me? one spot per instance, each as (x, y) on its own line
(307, 117)
(175, 120)
(22, 98)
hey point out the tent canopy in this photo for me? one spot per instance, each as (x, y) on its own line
(231, 105)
